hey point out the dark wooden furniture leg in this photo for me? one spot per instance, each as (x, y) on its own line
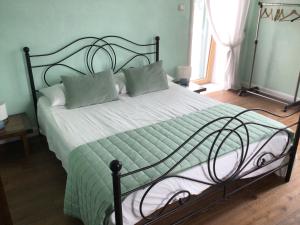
(25, 144)
(5, 217)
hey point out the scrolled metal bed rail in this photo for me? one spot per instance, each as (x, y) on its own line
(106, 44)
(263, 159)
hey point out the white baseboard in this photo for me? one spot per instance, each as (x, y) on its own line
(277, 94)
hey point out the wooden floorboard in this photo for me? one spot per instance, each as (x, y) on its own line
(35, 186)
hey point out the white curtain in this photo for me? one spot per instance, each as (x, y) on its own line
(227, 20)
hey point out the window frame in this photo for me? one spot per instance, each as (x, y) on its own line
(211, 54)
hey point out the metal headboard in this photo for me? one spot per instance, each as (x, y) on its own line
(105, 44)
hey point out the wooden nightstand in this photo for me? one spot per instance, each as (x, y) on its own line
(196, 87)
(192, 86)
(17, 126)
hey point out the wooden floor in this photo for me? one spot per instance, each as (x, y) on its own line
(35, 187)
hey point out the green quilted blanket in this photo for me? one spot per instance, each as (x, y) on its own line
(89, 184)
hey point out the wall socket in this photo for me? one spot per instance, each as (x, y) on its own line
(180, 7)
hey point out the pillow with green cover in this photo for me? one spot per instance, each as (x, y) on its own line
(89, 90)
(146, 79)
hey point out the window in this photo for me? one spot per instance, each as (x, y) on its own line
(202, 44)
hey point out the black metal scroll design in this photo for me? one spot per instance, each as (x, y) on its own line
(103, 44)
(258, 157)
(107, 44)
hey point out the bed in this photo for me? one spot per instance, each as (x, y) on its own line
(162, 148)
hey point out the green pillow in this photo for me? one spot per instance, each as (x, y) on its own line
(146, 79)
(88, 90)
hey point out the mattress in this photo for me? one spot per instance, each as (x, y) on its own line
(68, 129)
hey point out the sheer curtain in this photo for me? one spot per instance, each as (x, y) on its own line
(227, 20)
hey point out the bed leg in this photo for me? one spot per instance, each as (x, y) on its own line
(293, 153)
(116, 167)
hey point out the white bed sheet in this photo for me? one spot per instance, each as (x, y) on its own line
(67, 129)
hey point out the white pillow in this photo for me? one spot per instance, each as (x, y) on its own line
(55, 94)
(120, 80)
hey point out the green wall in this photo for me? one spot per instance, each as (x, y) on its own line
(278, 56)
(44, 25)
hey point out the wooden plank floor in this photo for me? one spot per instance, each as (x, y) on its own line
(35, 187)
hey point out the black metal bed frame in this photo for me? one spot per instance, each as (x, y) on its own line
(262, 157)
(98, 44)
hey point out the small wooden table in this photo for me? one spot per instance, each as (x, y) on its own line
(17, 126)
(192, 86)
